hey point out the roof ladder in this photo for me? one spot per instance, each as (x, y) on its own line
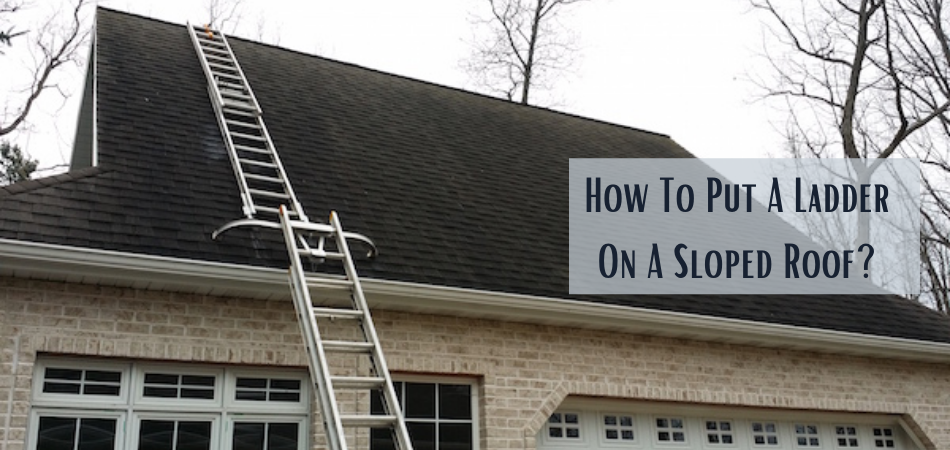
(338, 368)
(260, 175)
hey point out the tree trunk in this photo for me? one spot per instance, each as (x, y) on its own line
(532, 44)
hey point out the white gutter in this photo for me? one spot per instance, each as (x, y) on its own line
(47, 261)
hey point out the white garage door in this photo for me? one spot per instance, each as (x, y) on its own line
(705, 428)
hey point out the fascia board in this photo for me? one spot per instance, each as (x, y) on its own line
(158, 272)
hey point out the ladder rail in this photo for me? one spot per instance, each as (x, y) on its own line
(280, 167)
(316, 356)
(240, 71)
(390, 399)
(217, 102)
(237, 97)
(250, 210)
(276, 157)
(240, 120)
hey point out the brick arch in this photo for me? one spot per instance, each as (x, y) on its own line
(917, 432)
(548, 406)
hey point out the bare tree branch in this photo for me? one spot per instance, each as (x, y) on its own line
(877, 74)
(224, 15)
(525, 46)
(57, 47)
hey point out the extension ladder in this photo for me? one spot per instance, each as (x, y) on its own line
(261, 176)
(252, 153)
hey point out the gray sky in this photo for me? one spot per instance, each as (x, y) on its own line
(678, 67)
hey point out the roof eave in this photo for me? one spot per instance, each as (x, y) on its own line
(85, 265)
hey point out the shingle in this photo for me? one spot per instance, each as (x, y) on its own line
(426, 171)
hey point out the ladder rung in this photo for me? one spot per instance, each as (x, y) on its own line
(336, 313)
(248, 136)
(243, 124)
(202, 38)
(228, 103)
(268, 193)
(221, 67)
(213, 47)
(323, 254)
(228, 75)
(262, 151)
(235, 94)
(238, 112)
(201, 30)
(367, 421)
(219, 58)
(254, 176)
(357, 382)
(258, 163)
(268, 209)
(347, 347)
(221, 50)
(226, 85)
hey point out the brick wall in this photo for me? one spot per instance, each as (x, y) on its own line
(525, 370)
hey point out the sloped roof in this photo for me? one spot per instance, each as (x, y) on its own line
(457, 189)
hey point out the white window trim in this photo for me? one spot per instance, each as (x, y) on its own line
(779, 433)
(474, 392)
(130, 407)
(736, 432)
(619, 443)
(302, 436)
(695, 415)
(138, 417)
(583, 425)
(141, 402)
(821, 434)
(41, 398)
(895, 436)
(33, 427)
(655, 431)
(232, 404)
(860, 435)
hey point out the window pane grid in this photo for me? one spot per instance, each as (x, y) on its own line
(163, 385)
(161, 412)
(438, 416)
(719, 432)
(619, 428)
(765, 434)
(883, 437)
(670, 429)
(82, 382)
(806, 435)
(846, 436)
(564, 425)
(265, 436)
(267, 390)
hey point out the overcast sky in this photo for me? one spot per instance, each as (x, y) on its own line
(679, 67)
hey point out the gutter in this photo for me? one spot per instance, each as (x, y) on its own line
(85, 265)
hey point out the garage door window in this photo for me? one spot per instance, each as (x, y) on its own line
(95, 404)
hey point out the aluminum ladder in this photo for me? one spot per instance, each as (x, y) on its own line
(237, 109)
(261, 176)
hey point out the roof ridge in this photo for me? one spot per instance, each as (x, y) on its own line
(417, 80)
(39, 183)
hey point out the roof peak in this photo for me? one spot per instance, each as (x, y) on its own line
(408, 78)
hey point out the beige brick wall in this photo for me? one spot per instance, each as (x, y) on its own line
(525, 370)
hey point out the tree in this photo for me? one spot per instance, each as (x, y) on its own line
(224, 13)
(14, 166)
(526, 45)
(6, 37)
(865, 80)
(54, 47)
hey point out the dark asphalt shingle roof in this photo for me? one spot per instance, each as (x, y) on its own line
(456, 188)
